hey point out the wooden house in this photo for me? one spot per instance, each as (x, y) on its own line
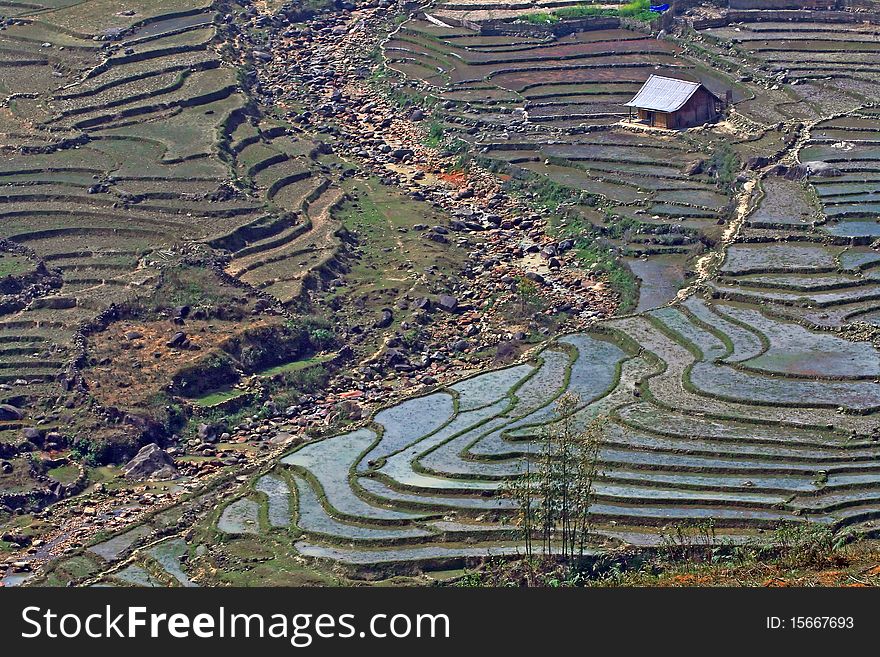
(675, 104)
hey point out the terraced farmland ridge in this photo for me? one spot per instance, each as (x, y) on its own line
(130, 159)
(749, 401)
(712, 294)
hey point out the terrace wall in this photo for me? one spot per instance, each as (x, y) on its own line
(799, 16)
(563, 28)
(681, 6)
(787, 4)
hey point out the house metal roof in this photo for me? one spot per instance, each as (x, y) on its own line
(664, 94)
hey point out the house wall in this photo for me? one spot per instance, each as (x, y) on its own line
(661, 119)
(699, 109)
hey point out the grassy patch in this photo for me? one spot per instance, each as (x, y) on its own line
(65, 474)
(12, 265)
(792, 555)
(295, 366)
(725, 164)
(541, 18)
(435, 134)
(218, 397)
(392, 257)
(637, 9)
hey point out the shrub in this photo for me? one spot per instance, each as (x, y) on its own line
(806, 544)
(435, 134)
(541, 18)
(322, 338)
(95, 451)
(213, 372)
(594, 257)
(637, 9)
(725, 163)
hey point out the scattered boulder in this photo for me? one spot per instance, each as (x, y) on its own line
(811, 169)
(8, 412)
(386, 319)
(177, 340)
(207, 433)
(32, 435)
(757, 162)
(448, 303)
(54, 440)
(694, 167)
(151, 462)
(422, 303)
(401, 153)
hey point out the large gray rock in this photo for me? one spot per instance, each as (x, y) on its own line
(447, 302)
(386, 319)
(151, 462)
(10, 412)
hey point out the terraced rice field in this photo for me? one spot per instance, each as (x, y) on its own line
(717, 411)
(833, 66)
(850, 201)
(552, 107)
(736, 406)
(753, 400)
(124, 139)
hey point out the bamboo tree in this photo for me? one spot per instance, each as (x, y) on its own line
(587, 471)
(522, 491)
(547, 491)
(555, 499)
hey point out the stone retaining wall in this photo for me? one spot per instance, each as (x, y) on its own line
(563, 28)
(799, 16)
(788, 4)
(40, 498)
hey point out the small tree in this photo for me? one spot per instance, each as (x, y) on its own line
(555, 499)
(587, 469)
(527, 295)
(523, 491)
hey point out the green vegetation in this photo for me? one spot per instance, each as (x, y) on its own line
(381, 221)
(11, 265)
(218, 397)
(293, 383)
(595, 257)
(541, 18)
(594, 253)
(637, 9)
(725, 164)
(794, 554)
(553, 502)
(435, 134)
(295, 366)
(542, 193)
(65, 474)
(95, 450)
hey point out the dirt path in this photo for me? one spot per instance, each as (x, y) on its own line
(746, 202)
(706, 266)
